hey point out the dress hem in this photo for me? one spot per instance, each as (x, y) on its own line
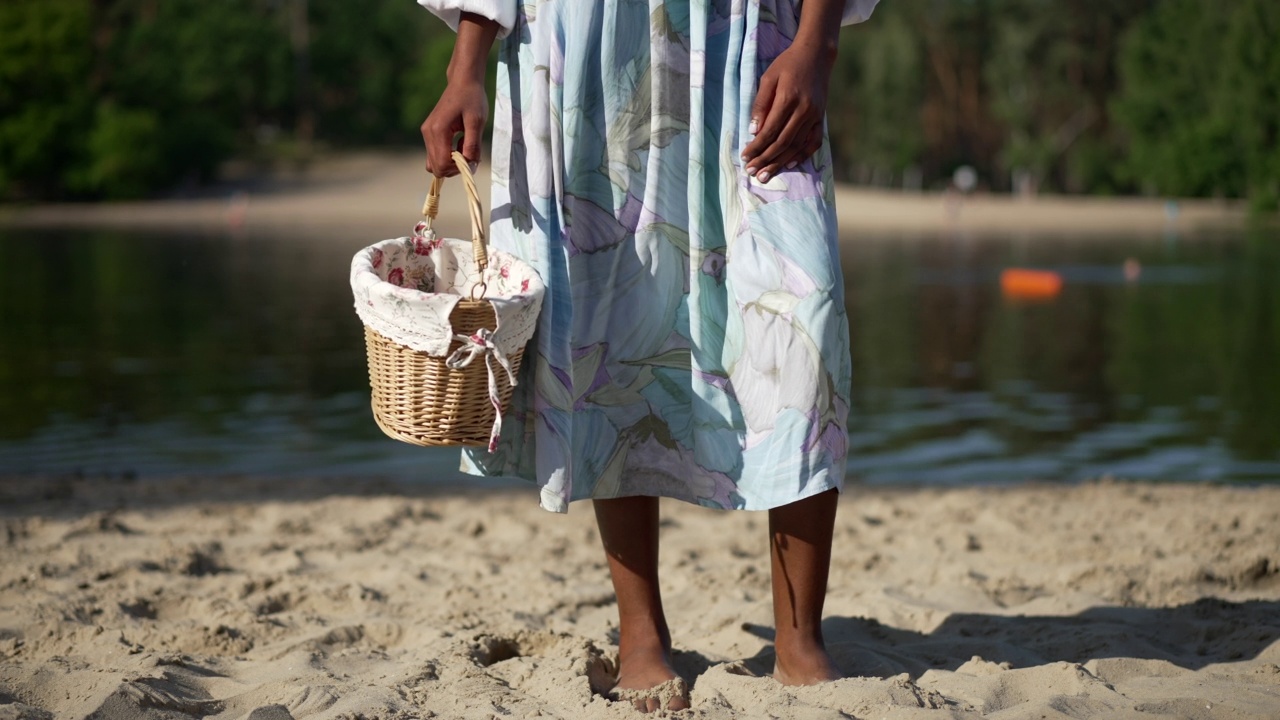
(553, 502)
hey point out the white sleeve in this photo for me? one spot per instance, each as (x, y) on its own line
(501, 11)
(855, 11)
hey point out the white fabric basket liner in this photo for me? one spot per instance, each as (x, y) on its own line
(405, 288)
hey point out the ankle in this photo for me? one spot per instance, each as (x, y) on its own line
(647, 645)
(799, 640)
(644, 637)
(803, 660)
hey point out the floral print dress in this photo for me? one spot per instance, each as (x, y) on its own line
(693, 341)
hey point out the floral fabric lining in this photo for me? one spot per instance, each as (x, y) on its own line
(405, 288)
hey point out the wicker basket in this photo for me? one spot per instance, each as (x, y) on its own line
(426, 399)
(418, 399)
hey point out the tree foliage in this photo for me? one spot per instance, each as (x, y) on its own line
(1175, 107)
(120, 98)
(1201, 99)
(45, 58)
(1090, 96)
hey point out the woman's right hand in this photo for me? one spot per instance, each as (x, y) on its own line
(464, 105)
(462, 108)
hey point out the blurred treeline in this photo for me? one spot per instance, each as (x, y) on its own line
(120, 98)
(1171, 97)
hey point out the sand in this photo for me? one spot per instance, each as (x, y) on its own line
(380, 195)
(181, 598)
(221, 598)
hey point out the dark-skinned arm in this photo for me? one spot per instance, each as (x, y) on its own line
(464, 105)
(791, 102)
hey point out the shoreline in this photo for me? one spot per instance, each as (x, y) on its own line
(380, 194)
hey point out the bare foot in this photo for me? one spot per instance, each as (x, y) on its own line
(804, 664)
(646, 680)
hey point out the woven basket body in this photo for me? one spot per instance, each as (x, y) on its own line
(416, 396)
(420, 400)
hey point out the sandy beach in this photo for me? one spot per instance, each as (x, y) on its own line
(380, 195)
(171, 598)
(220, 598)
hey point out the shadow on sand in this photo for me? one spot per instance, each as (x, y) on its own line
(1191, 636)
(70, 496)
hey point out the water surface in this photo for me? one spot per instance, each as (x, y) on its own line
(126, 354)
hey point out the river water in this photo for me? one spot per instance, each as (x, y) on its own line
(125, 354)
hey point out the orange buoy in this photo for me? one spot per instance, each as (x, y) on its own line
(1023, 284)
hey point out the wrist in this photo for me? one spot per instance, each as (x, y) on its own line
(819, 29)
(470, 58)
(465, 71)
(821, 47)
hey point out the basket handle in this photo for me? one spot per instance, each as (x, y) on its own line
(432, 207)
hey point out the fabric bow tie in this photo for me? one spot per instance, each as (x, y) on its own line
(481, 343)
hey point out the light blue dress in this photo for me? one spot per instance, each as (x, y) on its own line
(693, 341)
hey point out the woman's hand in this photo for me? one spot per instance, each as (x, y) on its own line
(791, 102)
(462, 108)
(464, 105)
(790, 106)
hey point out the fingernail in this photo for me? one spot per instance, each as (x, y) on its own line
(791, 165)
(751, 170)
(753, 127)
(763, 177)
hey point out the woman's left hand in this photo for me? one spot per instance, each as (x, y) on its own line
(790, 106)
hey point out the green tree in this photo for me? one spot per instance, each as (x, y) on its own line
(1200, 100)
(208, 74)
(122, 97)
(1252, 78)
(1172, 102)
(361, 55)
(45, 101)
(124, 159)
(874, 112)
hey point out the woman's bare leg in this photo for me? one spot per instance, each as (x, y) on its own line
(800, 545)
(629, 532)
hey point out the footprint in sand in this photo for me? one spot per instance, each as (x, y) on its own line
(311, 700)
